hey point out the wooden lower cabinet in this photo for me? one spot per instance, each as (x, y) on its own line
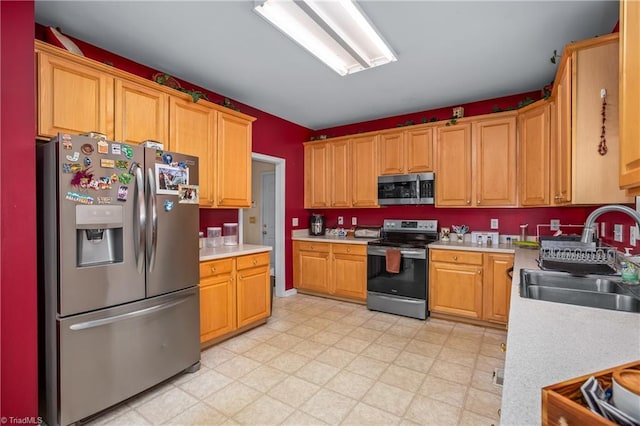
(234, 293)
(253, 289)
(217, 298)
(332, 269)
(471, 285)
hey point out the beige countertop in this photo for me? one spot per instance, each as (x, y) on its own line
(212, 253)
(469, 246)
(333, 239)
(551, 342)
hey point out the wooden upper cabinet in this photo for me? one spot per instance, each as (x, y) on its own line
(73, 97)
(406, 151)
(316, 170)
(453, 165)
(193, 132)
(579, 174)
(233, 161)
(419, 150)
(629, 100)
(141, 113)
(494, 172)
(561, 146)
(340, 176)
(391, 151)
(533, 163)
(364, 156)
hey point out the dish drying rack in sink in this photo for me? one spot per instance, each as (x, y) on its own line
(577, 258)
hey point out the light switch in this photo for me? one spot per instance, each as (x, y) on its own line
(617, 232)
(494, 223)
(633, 235)
(340, 220)
(354, 221)
(555, 224)
(294, 221)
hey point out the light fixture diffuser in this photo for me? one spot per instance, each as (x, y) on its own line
(336, 32)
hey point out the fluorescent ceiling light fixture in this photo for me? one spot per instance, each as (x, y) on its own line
(335, 31)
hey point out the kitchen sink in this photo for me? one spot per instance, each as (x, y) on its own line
(596, 291)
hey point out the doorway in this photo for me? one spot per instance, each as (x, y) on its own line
(264, 222)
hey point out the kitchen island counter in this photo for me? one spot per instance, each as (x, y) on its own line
(213, 253)
(551, 342)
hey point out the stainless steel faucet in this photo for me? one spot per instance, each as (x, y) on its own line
(587, 232)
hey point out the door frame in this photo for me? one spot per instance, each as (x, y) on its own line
(280, 261)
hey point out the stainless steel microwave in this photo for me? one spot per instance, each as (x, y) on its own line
(413, 189)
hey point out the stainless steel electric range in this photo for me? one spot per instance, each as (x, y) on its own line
(403, 290)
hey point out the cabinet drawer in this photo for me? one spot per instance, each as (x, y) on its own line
(215, 267)
(454, 256)
(252, 260)
(350, 249)
(317, 247)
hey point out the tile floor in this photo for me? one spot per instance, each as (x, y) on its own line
(319, 361)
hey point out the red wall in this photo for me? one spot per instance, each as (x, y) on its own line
(18, 294)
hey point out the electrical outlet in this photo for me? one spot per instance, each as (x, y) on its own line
(617, 232)
(340, 220)
(494, 223)
(603, 228)
(354, 221)
(294, 221)
(555, 224)
(633, 235)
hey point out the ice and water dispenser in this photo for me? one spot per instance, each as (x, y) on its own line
(99, 234)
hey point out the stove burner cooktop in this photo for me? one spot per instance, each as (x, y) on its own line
(408, 233)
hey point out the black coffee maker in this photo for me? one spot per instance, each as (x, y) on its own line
(316, 224)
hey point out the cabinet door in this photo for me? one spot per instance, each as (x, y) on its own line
(349, 276)
(312, 271)
(217, 307)
(455, 289)
(453, 165)
(629, 99)
(253, 295)
(340, 177)
(391, 149)
(141, 113)
(233, 161)
(192, 131)
(561, 143)
(534, 131)
(316, 171)
(365, 171)
(494, 144)
(73, 98)
(419, 150)
(497, 287)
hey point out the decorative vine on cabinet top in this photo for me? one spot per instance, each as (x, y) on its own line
(579, 174)
(629, 176)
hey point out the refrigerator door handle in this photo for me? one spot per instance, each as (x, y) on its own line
(152, 232)
(128, 315)
(140, 217)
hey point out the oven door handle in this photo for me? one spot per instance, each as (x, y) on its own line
(411, 254)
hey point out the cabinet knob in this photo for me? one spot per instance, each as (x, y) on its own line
(311, 247)
(503, 347)
(468, 201)
(455, 257)
(255, 262)
(220, 202)
(231, 279)
(348, 250)
(213, 269)
(478, 202)
(480, 272)
(242, 277)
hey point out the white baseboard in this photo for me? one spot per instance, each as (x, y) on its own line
(287, 293)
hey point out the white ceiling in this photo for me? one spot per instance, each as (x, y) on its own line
(449, 52)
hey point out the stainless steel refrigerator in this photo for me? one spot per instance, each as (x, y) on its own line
(118, 230)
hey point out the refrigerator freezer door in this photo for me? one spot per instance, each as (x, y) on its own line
(90, 228)
(110, 355)
(172, 224)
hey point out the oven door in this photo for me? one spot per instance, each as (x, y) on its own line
(410, 282)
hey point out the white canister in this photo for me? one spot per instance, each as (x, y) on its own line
(230, 234)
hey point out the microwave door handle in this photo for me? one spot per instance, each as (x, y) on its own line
(418, 186)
